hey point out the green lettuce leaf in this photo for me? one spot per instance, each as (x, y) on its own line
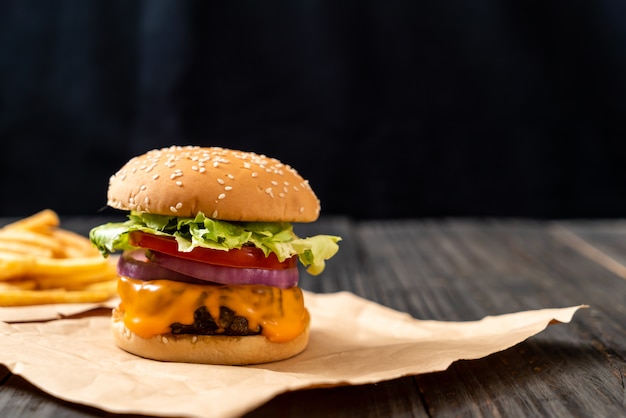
(270, 237)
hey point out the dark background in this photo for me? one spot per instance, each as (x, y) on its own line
(390, 108)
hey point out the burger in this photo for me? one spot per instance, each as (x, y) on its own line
(210, 263)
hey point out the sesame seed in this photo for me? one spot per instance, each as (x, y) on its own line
(194, 339)
(173, 209)
(156, 176)
(230, 176)
(179, 183)
(274, 183)
(228, 188)
(179, 205)
(255, 174)
(202, 169)
(164, 339)
(269, 191)
(221, 181)
(143, 187)
(214, 214)
(221, 196)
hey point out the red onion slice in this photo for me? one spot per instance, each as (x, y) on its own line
(282, 278)
(135, 265)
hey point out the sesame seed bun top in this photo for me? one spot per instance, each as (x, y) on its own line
(221, 183)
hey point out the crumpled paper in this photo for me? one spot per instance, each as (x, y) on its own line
(49, 312)
(353, 341)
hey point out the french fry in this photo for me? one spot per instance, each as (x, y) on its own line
(39, 222)
(33, 240)
(74, 245)
(14, 265)
(109, 286)
(21, 248)
(18, 285)
(44, 297)
(61, 266)
(75, 279)
(41, 263)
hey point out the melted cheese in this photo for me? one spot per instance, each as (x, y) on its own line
(151, 306)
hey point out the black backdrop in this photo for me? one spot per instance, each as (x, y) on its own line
(390, 108)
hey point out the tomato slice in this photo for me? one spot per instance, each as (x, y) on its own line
(246, 257)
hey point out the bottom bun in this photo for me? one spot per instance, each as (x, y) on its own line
(207, 349)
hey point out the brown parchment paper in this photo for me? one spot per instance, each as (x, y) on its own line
(75, 359)
(49, 312)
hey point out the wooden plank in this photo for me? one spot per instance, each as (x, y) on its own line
(462, 271)
(602, 242)
(393, 398)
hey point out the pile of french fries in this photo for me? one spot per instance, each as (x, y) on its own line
(42, 263)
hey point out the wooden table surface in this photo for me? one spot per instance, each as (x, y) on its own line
(455, 270)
